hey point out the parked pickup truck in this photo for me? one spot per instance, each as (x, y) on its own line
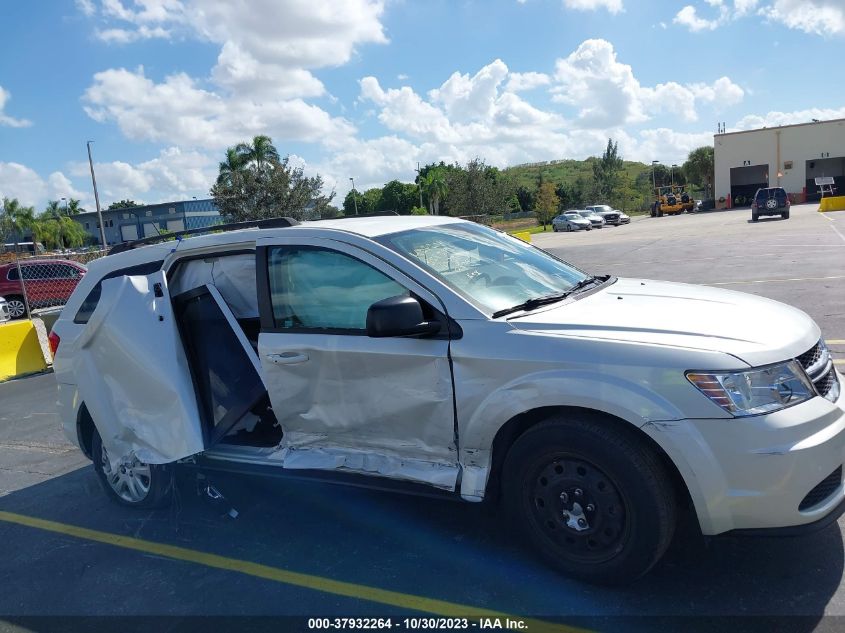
(435, 354)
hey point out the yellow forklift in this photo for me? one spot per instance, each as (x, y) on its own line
(671, 200)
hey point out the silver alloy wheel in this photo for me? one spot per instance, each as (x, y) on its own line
(16, 308)
(130, 482)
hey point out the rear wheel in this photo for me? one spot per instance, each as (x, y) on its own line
(594, 500)
(659, 211)
(134, 483)
(17, 307)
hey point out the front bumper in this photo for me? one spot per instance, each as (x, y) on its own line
(753, 473)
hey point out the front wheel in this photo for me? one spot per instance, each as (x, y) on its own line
(135, 483)
(17, 308)
(593, 499)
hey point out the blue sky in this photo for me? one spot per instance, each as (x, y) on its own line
(367, 88)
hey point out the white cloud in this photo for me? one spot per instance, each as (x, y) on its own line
(605, 92)
(5, 119)
(124, 36)
(613, 6)
(21, 182)
(689, 18)
(818, 17)
(518, 82)
(774, 118)
(178, 111)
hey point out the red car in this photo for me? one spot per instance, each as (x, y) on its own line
(49, 282)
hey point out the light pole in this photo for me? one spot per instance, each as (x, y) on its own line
(672, 174)
(97, 198)
(66, 211)
(653, 180)
(354, 195)
(419, 183)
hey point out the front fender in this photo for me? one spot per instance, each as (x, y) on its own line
(624, 399)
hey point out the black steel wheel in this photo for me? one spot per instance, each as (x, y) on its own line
(591, 496)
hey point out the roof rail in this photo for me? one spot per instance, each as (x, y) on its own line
(271, 223)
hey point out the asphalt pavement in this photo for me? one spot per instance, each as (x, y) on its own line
(307, 549)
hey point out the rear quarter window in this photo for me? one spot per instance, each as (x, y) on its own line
(90, 303)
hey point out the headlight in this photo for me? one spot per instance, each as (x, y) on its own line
(755, 391)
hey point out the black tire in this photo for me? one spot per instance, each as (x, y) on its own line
(17, 307)
(659, 211)
(626, 492)
(160, 481)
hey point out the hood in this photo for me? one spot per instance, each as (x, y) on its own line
(756, 330)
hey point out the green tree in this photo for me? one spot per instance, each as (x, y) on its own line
(546, 203)
(477, 189)
(230, 166)
(275, 189)
(525, 198)
(16, 220)
(699, 167)
(398, 197)
(434, 188)
(259, 153)
(607, 171)
(120, 204)
(73, 207)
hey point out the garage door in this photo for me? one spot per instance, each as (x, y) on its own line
(834, 167)
(745, 181)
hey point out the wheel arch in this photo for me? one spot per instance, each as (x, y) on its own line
(85, 428)
(511, 430)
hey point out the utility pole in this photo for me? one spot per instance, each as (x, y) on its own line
(354, 195)
(419, 183)
(97, 198)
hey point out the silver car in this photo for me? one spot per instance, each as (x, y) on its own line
(427, 353)
(4, 310)
(593, 218)
(610, 215)
(571, 221)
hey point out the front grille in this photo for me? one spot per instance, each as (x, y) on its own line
(823, 490)
(809, 358)
(816, 362)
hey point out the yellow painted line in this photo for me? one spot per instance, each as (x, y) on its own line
(296, 579)
(835, 341)
(839, 361)
(768, 281)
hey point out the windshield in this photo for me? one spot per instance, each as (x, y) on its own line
(572, 216)
(490, 269)
(602, 207)
(586, 214)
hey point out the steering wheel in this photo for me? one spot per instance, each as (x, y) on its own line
(476, 278)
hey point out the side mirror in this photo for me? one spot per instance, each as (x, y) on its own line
(398, 316)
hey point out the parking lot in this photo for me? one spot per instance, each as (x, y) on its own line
(298, 549)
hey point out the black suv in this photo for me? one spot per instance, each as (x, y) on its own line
(771, 201)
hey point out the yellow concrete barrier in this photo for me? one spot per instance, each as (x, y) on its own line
(525, 236)
(20, 352)
(834, 203)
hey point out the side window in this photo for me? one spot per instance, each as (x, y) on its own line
(13, 275)
(87, 308)
(313, 288)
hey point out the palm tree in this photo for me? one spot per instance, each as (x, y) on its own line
(73, 207)
(16, 219)
(232, 165)
(261, 151)
(53, 209)
(435, 188)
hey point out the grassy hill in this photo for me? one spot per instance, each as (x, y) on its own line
(566, 171)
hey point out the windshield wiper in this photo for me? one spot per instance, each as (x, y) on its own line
(531, 304)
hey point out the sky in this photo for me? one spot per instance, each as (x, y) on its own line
(369, 88)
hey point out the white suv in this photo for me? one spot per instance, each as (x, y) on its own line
(433, 354)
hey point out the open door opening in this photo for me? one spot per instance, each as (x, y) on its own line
(216, 311)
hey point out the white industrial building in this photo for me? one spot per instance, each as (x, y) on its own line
(789, 156)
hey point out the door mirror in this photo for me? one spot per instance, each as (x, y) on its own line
(398, 316)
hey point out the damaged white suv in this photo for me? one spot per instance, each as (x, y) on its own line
(431, 354)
